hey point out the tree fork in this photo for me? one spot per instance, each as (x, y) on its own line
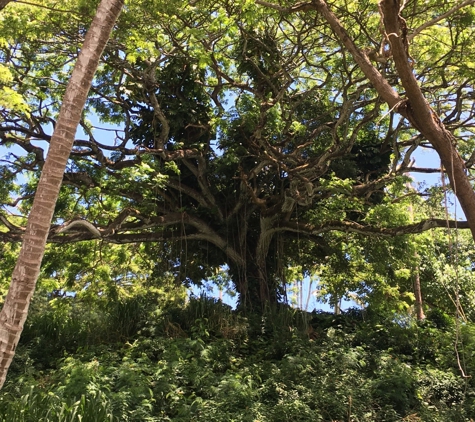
(415, 108)
(421, 115)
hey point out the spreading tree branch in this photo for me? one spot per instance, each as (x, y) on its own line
(353, 227)
(433, 21)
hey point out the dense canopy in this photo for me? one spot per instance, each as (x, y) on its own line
(240, 135)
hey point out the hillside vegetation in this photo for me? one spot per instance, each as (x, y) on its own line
(134, 360)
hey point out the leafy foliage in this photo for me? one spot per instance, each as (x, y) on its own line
(204, 361)
(237, 136)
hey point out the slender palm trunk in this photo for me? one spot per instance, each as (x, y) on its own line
(25, 274)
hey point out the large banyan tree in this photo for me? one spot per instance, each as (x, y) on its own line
(239, 134)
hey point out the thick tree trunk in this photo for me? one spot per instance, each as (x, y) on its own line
(25, 274)
(255, 284)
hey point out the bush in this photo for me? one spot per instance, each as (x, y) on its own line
(204, 361)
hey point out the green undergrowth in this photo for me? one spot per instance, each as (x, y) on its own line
(201, 361)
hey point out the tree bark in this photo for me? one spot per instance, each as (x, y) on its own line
(3, 3)
(25, 274)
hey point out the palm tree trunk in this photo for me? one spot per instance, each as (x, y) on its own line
(27, 269)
